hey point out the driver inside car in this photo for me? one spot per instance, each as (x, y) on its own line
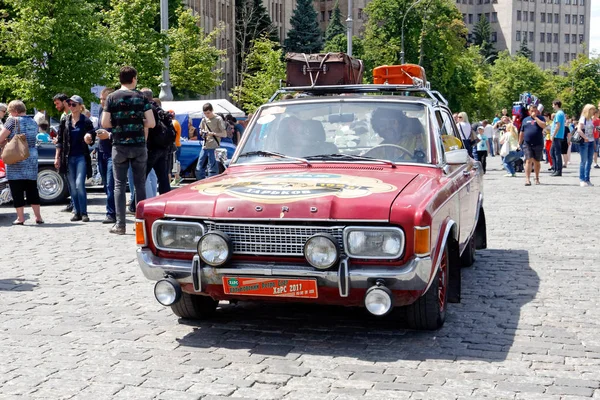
(403, 137)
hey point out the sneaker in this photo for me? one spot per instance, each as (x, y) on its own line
(597, 166)
(76, 217)
(85, 218)
(588, 183)
(130, 211)
(109, 220)
(117, 230)
(509, 175)
(68, 208)
(582, 184)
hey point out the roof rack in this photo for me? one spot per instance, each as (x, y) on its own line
(362, 89)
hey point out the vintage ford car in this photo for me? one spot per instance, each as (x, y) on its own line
(346, 195)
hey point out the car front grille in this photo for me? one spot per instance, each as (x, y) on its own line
(284, 240)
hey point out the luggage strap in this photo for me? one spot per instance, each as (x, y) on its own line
(310, 70)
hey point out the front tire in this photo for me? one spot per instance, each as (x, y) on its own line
(52, 185)
(429, 311)
(194, 306)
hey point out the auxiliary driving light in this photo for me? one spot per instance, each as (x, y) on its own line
(378, 300)
(214, 248)
(321, 251)
(167, 291)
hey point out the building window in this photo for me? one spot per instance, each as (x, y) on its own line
(574, 19)
(580, 39)
(567, 18)
(494, 37)
(542, 17)
(360, 13)
(555, 57)
(464, 1)
(573, 38)
(464, 18)
(567, 2)
(566, 57)
(486, 1)
(549, 18)
(556, 1)
(494, 17)
(531, 16)
(487, 16)
(329, 14)
(518, 15)
(479, 17)
(541, 56)
(567, 38)
(555, 38)
(573, 56)
(582, 19)
(479, 1)
(525, 16)
(494, 1)
(574, 2)
(322, 15)
(518, 36)
(581, 2)
(556, 18)
(470, 1)
(542, 37)
(548, 57)
(531, 37)
(470, 18)
(548, 38)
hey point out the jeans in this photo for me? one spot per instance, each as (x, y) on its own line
(158, 160)
(76, 170)
(509, 160)
(106, 171)
(151, 184)
(123, 157)
(556, 153)
(206, 156)
(131, 187)
(586, 151)
(491, 147)
(482, 156)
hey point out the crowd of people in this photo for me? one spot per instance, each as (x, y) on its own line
(549, 137)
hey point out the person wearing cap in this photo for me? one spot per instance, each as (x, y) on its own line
(73, 155)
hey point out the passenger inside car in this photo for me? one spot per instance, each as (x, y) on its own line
(300, 138)
(403, 137)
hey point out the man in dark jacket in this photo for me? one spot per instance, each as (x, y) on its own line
(158, 154)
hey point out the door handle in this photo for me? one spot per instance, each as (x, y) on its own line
(466, 173)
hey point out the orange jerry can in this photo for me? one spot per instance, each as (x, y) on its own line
(398, 74)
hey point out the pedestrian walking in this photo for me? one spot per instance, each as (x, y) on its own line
(465, 132)
(128, 112)
(73, 155)
(586, 149)
(531, 140)
(158, 147)
(212, 129)
(22, 175)
(105, 165)
(482, 147)
(61, 103)
(488, 132)
(557, 134)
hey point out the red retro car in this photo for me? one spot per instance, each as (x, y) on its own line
(347, 195)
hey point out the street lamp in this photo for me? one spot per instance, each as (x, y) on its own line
(165, 86)
(402, 30)
(349, 23)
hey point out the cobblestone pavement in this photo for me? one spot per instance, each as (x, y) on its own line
(78, 320)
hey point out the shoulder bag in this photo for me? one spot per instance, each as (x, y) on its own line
(577, 137)
(17, 149)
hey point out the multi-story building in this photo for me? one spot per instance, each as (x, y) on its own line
(280, 12)
(556, 31)
(324, 10)
(213, 13)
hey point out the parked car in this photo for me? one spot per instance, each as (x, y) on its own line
(319, 206)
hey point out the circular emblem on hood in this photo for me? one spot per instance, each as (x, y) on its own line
(284, 188)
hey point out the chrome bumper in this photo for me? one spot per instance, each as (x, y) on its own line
(414, 275)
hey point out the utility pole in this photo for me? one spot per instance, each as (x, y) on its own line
(402, 30)
(349, 23)
(165, 86)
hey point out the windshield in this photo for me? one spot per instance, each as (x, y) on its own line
(346, 130)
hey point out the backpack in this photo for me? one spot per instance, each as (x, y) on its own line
(229, 128)
(163, 134)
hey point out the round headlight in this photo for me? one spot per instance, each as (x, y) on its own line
(167, 291)
(321, 251)
(214, 248)
(378, 300)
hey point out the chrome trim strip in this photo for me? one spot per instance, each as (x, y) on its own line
(208, 219)
(165, 222)
(197, 274)
(343, 278)
(349, 229)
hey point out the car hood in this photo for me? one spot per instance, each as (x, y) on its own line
(357, 194)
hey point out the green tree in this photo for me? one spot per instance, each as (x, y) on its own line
(581, 85)
(524, 50)
(193, 58)
(265, 60)
(304, 35)
(135, 40)
(482, 37)
(335, 26)
(339, 44)
(54, 47)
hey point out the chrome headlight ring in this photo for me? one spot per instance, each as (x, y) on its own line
(321, 251)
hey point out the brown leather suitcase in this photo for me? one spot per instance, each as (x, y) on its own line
(323, 69)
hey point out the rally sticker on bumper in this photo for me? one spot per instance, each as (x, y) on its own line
(270, 287)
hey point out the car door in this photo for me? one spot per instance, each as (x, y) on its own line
(464, 180)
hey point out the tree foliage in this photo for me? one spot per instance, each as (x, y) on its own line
(339, 44)
(193, 57)
(265, 60)
(524, 50)
(482, 37)
(305, 34)
(335, 26)
(581, 85)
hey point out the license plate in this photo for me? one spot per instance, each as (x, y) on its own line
(270, 287)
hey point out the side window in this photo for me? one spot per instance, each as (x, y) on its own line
(450, 137)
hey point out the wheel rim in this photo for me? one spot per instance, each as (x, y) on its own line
(50, 185)
(443, 282)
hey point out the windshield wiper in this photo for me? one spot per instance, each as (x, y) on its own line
(263, 153)
(349, 157)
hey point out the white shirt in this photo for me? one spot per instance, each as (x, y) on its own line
(488, 131)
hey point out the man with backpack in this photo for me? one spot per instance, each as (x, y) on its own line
(160, 142)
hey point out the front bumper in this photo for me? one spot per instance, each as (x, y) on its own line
(414, 275)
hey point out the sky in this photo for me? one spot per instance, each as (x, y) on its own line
(595, 28)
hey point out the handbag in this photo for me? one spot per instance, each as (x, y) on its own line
(17, 149)
(505, 149)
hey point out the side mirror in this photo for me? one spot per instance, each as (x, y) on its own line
(457, 157)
